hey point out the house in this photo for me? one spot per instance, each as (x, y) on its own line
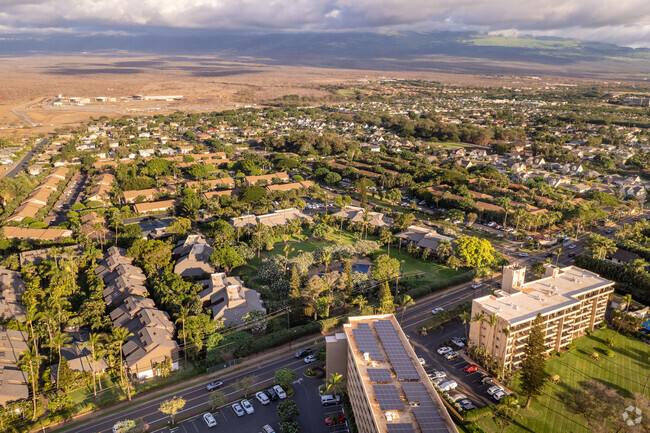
(12, 288)
(622, 257)
(356, 215)
(94, 226)
(147, 348)
(229, 299)
(156, 206)
(193, 257)
(101, 191)
(35, 170)
(211, 195)
(146, 153)
(79, 357)
(207, 185)
(140, 195)
(13, 381)
(36, 234)
(290, 186)
(37, 256)
(268, 178)
(423, 237)
(277, 218)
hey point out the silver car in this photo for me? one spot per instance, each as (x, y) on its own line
(236, 407)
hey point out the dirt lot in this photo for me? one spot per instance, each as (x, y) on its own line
(206, 83)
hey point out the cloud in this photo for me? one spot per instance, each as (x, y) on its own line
(624, 22)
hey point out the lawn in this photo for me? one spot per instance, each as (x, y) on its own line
(626, 371)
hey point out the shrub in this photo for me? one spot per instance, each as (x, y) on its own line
(472, 427)
(609, 353)
(595, 356)
(570, 346)
(603, 325)
(555, 378)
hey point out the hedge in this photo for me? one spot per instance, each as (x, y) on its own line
(419, 292)
(476, 414)
(472, 427)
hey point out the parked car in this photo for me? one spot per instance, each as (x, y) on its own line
(309, 359)
(470, 368)
(444, 349)
(335, 419)
(304, 352)
(466, 404)
(239, 411)
(451, 355)
(437, 310)
(570, 255)
(609, 231)
(272, 394)
(449, 385)
(439, 380)
(499, 395)
(459, 396)
(458, 342)
(437, 374)
(493, 389)
(523, 254)
(209, 419)
(267, 429)
(247, 406)
(262, 398)
(422, 361)
(280, 392)
(572, 246)
(329, 399)
(486, 380)
(215, 384)
(476, 285)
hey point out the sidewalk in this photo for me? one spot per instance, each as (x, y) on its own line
(242, 364)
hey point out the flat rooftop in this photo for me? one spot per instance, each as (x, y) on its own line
(401, 395)
(544, 295)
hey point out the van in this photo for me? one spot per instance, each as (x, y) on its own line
(328, 399)
(268, 429)
(272, 394)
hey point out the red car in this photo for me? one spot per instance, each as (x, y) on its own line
(335, 419)
(470, 367)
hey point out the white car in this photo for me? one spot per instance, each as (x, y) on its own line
(236, 407)
(493, 389)
(248, 407)
(309, 359)
(444, 349)
(450, 355)
(209, 419)
(523, 254)
(499, 395)
(458, 342)
(476, 285)
(437, 310)
(449, 385)
(280, 392)
(422, 361)
(437, 374)
(572, 246)
(262, 398)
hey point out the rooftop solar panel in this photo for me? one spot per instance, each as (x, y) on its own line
(397, 354)
(379, 375)
(388, 397)
(425, 411)
(400, 428)
(366, 341)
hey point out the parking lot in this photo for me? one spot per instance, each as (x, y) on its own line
(306, 396)
(426, 346)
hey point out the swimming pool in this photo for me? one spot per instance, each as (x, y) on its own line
(364, 269)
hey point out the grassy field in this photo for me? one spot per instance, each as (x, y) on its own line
(626, 372)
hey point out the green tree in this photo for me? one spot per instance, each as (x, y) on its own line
(386, 303)
(479, 318)
(59, 341)
(533, 367)
(507, 410)
(474, 252)
(217, 399)
(245, 383)
(29, 363)
(321, 230)
(471, 218)
(290, 427)
(287, 410)
(226, 258)
(285, 377)
(118, 338)
(172, 406)
(600, 246)
(405, 301)
(334, 384)
(256, 320)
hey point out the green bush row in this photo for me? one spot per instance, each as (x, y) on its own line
(419, 292)
(476, 414)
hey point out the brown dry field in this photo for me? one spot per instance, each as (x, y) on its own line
(207, 83)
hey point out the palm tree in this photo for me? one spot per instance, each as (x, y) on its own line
(627, 299)
(365, 221)
(119, 337)
(444, 248)
(466, 317)
(386, 238)
(334, 383)
(94, 343)
(361, 302)
(181, 317)
(326, 259)
(31, 361)
(507, 410)
(492, 321)
(480, 319)
(557, 259)
(31, 316)
(506, 333)
(405, 301)
(504, 202)
(288, 249)
(60, 340)
(600, 246)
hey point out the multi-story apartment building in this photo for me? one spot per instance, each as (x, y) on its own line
(571, 301)
(388, 388)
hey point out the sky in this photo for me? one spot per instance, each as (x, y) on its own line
(622, 22)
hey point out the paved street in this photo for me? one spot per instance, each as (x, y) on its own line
(72, 194)
(20, 167)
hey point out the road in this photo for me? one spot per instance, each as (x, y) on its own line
(197, 396)
(71, 195)
(30, 154)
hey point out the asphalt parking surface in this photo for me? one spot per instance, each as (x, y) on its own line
(426, 346)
